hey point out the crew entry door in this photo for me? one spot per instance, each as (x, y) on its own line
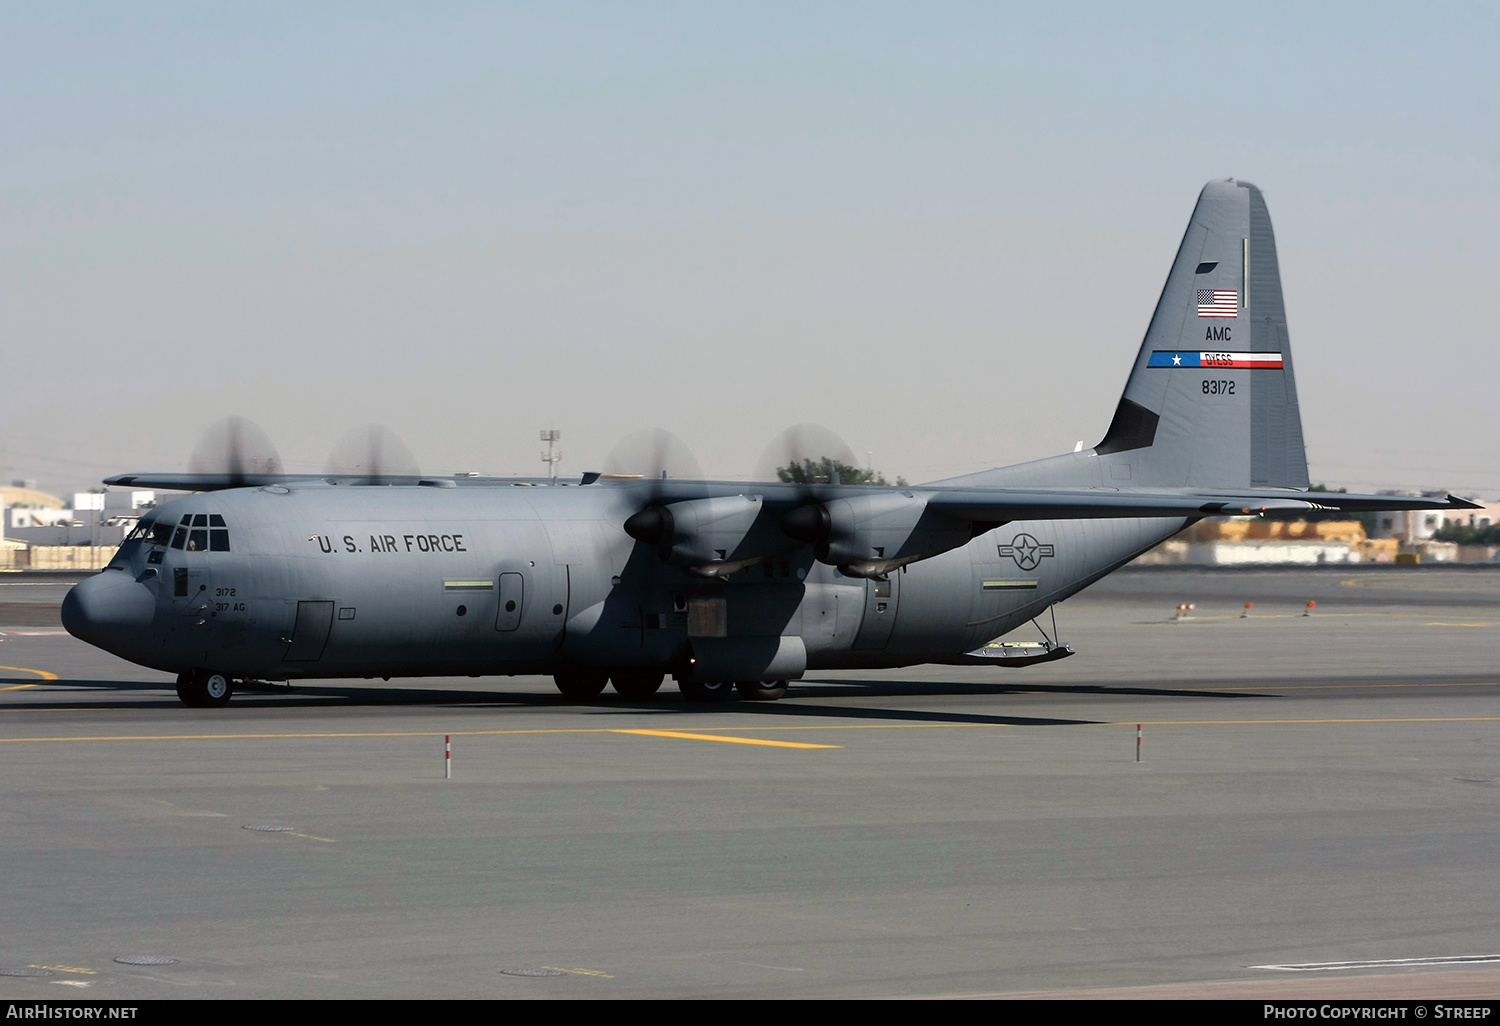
(309, 632)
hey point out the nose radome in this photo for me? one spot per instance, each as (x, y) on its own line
(101, 608)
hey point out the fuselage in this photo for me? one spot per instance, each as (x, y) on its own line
(317, 581)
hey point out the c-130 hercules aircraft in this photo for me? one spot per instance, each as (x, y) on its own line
(728, 586)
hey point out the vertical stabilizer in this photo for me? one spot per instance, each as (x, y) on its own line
(1212, 401)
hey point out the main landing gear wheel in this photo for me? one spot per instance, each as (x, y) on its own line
(636, 686)
(761, 690)
(706, 690)
(204, 689)
(580, 687)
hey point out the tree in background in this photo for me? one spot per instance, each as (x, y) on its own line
(821, 471)
(1463, 534)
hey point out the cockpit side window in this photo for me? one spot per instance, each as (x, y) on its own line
(152, 532)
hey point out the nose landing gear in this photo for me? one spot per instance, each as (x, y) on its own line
(204, 689)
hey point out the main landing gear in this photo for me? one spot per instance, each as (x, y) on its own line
(204, 689)
(761, 690)
(723, 690)
(582, 685)
(636, 687)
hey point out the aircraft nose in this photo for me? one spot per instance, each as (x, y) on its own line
(106, 608)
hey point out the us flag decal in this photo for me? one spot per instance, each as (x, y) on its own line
(1218, 302)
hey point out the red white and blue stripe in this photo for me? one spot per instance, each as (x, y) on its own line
(1233, 361)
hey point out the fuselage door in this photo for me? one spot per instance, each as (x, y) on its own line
(310, 632)
(512, 602)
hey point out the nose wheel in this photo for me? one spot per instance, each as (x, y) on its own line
(204, 689)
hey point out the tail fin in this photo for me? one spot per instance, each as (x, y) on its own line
(1212, 401)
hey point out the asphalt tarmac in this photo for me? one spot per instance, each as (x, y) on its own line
(1311, 790)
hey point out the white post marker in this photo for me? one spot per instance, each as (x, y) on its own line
(447, 756)
(1138, 742)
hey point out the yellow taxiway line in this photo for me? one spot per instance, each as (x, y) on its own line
(720, 731)
(716, 737)
(23, 669)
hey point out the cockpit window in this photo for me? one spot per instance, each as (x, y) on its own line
(154, 532)
(193, 535)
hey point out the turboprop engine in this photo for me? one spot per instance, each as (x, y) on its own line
(871, 535)
(711, 537)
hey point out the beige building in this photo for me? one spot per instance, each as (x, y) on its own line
(1412, 527)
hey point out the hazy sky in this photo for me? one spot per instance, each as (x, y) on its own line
(939, 229)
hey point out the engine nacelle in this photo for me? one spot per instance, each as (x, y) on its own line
(710, 537)
(871, 535)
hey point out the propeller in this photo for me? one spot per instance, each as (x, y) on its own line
(652, 454)
(374, 452)
(235, 446)
(804, 454)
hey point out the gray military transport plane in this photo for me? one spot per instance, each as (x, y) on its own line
(728, 586)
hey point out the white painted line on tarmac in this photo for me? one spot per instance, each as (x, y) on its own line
(1381, 963)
